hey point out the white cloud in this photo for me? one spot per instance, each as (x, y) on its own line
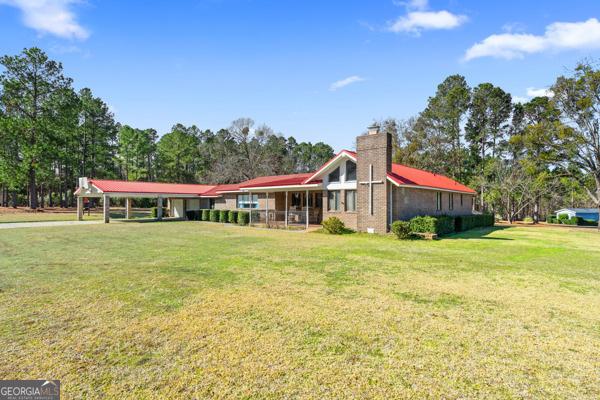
(533, 92)
(558, 36)
(345, 82)
(416, 21)
(413, 4)
(50, 16)
(519, 99)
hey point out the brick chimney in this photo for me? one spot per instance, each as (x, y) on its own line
(374, 161)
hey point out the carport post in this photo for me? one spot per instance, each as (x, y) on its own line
(106, 208)
(307, 209)
(127, 208)
(159, 208)
(286, 209)
(79, 208)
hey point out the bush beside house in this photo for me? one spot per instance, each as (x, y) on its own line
(243, 218)
(205, 215)
(224, 216)
(466, 222)
(441, 225)
(334, 225)
(401, 229)
(213, 215)
(233, 217)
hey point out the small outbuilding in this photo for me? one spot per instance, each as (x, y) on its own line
(590, 214)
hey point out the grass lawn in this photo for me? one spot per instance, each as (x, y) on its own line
(7, 217)
(196, 310)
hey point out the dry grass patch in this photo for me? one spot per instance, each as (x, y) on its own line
(196, 310)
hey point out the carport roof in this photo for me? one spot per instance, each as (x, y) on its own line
(110, 186)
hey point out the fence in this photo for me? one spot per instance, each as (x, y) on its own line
(276, 219)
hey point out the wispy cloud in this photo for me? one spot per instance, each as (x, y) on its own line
(50, 16)
(558, 36)
(533, 92)
(418, 19)
(345, 82)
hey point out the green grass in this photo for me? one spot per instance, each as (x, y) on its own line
(197, 310)
(66, 216)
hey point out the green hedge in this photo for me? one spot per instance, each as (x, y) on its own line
(441, 225)
(233, 217)
(193, 215)
(243, 218)
(213, 216)
(401, 229)
(334, 225)
(551, 219)
(224, 216)
(154, 212)
(465, 222)
(205, 215)
(569, 221)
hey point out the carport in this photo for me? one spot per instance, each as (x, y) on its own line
(178, 195)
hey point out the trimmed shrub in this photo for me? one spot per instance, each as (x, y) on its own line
(563, 217)
(193, 215)
(551, 219)
(334, 225)
(401, 229)
(465, 222)
(224, 216)
(205, 215)
(233, 217)
(243, 217)
(154, 212)
(569, 221)
(441, 225)
(213, 215)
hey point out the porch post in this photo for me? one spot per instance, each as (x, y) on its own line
(159, 208)
(127, 208)
(286, 209)
(307, 209)
(106, 208)
(267, 210)
(79, 208)
(251, 204)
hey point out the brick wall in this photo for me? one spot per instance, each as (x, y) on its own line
(373, 149)
(411, 202)
(349, 218)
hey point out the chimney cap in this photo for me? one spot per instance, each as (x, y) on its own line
(373, 129)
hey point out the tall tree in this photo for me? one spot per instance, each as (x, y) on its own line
(486, 127)
(137, 153)
(30, 81)
(442, 123)
(178, 155)
(578, 99)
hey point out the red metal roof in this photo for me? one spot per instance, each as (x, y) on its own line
(278, 180)
(403, 175)
(110, 186)
(218, 189)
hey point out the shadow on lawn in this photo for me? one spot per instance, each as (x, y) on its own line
(479, 233)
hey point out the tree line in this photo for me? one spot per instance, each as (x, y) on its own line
(525, 159)
(51, 134)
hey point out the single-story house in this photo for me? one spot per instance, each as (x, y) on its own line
(585, 213)
(363, 188)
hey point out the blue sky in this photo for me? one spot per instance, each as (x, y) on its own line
(315, 70)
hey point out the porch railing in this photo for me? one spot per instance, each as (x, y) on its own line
(276, 219)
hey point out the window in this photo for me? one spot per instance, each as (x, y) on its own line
(461, 200)
(350, 200)
(334, 176)
(333, 200)
(350, 171)
(296, 199)
(438, 201)
(245, 201)
(451, 201)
